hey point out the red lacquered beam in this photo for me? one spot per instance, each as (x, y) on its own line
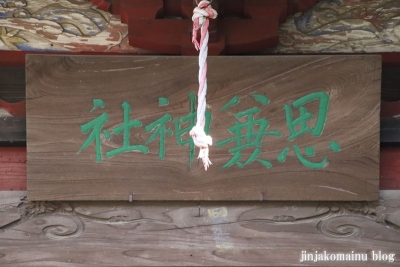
(15, 109)
(390, 168)
(101, 4)
(296, 6)
(390, 109)
(12, 168)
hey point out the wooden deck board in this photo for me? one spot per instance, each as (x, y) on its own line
(194, 233)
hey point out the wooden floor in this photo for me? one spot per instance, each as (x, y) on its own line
(196, 234)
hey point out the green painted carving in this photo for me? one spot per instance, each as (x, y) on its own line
(261, 98)
(234, 101)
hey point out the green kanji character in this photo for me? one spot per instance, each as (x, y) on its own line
(161, 131)
(302, 123)
(190, 120)
(250, 138)
(305, 116)
(310, 152)
(125, 129)
(95, 125)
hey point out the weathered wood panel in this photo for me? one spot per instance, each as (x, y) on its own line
(13, 176)
(13, 129)
(64, 164)
(196, 234)
(12, 83)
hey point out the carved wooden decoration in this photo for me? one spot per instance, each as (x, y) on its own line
(343, 26)
(61, 26)
(106, 128)
(162, 26)
(198, 234)
(339, 26)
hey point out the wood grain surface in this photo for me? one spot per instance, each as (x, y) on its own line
(195, 233)
(60, 91)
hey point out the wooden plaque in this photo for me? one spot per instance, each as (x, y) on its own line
(283, 128)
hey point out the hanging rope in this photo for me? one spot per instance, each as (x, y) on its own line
(200, 21)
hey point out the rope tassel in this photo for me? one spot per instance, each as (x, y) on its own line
(201, 13)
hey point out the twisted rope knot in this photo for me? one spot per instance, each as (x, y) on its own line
(200, 21)
(201, 13)
(201, 140)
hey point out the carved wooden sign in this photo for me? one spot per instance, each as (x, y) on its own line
(283, 128)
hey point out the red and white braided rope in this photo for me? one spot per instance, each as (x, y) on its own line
(201, 13)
